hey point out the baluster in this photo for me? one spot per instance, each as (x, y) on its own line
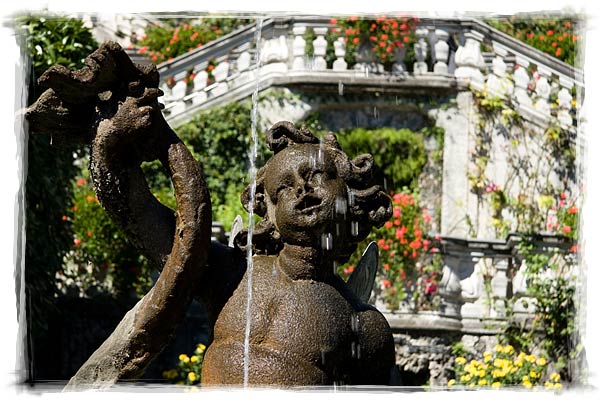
(442, 50)
(497, 82)
(521, 78)
(243, 61)
(542, 90)
(200, 82)
(320, 46)
(179, 91)
(220, 73)
(298, 47)
(420, 67)
(565, 102)
(450, 287)
(468, 58)
(340, 52)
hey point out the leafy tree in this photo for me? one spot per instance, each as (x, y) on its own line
(48, 40)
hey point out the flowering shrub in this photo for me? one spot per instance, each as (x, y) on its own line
(101, 259)
(164, 42)
(189, 368)
(408, 266)
(553, 36)
(384, 35)
(504, 367)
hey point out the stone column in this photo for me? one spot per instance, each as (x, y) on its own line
(420, 67)
(298, 47)
(200, 81)
(565, 102)
(320, 46)
(441, 52)
(497, 82)
(450, 289)
(468, 58)
(542, 90)
(340, 52)
(220, 73)
(521, 78)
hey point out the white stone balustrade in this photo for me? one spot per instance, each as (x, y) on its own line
(283, 52)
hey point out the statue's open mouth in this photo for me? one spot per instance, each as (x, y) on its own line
(308, 203)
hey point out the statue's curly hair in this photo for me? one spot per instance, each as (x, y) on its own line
(368, 205)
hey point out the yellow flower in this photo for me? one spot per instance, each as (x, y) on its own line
(472, 384)
(481, 373)
(519, 362)
(496, 385)
(527, 384)
(487, 354)
(460, 360)
(557, 385)
(182, 357)
(530, 358)
(194, 359)
(191, 376)
(555, 377)
(541, 361)
(482, 382)
(487, 358)
(498, 348)
(200, 349)
(465, 378)
(525, 378)
(452, 382)
(533, 374)
(508, 349)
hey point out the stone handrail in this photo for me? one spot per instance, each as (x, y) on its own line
(448, 50)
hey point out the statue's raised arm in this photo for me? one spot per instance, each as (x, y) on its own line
(112, 104)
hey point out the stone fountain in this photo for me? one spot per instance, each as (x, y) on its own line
(306, 325)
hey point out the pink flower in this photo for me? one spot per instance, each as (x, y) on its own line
(573, 210)
(566, 229)
(386, 283)
(77, 242)
(386, 267)
(81, 182)
(388, 224)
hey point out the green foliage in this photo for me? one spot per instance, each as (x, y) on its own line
(554, 35)
(102, 257)
(399, 153)
(167, 41)
(54, 40)
(189, 368)
(50, 169)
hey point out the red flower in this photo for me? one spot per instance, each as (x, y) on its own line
(81, 182)
(529, 35)
(355, 40)
(574, 248)
(388, 224)
(384, 37)
(397, 212)
(558, 52)
(75, 208)
(542, 38)
(381, 243)
(352, 18)
(431, 288)
(566, 229)
(406, 39)
(90, 233)
(573, 210)
(563, 195)
(386, 267)
(333, 21)
(397, 222)
(77, 242)
(402, 275)
(386, 283)
(90, 199)
(550, 32)
(381, 44)
(64, 218)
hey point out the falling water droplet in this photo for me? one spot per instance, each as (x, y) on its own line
(50, 140)
(354, 228)
(340, 88)
(354, 323)
(358, 351)
(341, 206)
(327, 241)
(385, 185)
(353, 349)
(367, 71)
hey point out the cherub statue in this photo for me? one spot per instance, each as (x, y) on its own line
(307, 326)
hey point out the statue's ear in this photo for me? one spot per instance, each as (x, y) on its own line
(260, 202)
(283, 133)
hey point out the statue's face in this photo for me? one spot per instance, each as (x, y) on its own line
(303, 188)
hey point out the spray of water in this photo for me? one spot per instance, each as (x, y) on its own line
(252, 173)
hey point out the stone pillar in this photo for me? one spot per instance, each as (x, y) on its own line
(468, 58)
(521, 78)
(340, 52)
(298, 47)
(497, 82)
(450, 289)
(200, 81)
(441, 52)
(220, 73)
(178, 92)
(420, 67)
(399, 67)
(320, 46)
(565, 102)
(542, 90)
